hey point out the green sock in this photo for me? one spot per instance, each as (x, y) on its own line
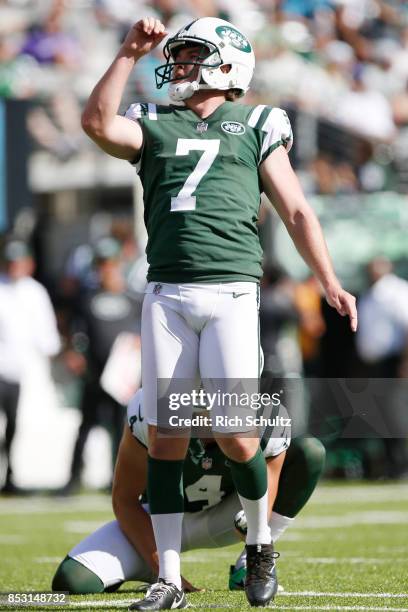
(166, 502)
(77, 579)
(250, 477)
(165, 486)
(303, 465)
(251, 481)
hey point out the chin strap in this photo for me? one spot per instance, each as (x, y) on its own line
(183, 91)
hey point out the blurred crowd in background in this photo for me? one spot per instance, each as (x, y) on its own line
(342, 61)
(340, 69)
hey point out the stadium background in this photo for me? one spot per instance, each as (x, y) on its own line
(339, 68)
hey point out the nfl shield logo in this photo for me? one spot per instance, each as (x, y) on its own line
(206, 463)
(202, 127)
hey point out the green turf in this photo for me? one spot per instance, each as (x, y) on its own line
(349, 539)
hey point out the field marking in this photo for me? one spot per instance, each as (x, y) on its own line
(52, 505)
(82, 526)
(198, 557)
(359, 595)
(125, 602)
(47, 559)
(339, 608)
(364, 493)
(336, 560)
(324, 495)
(104, 602)
(8, 538)
(351, 519)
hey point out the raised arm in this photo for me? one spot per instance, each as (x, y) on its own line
(282, 187)
(113, 133)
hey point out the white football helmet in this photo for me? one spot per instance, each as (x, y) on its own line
(222, 44)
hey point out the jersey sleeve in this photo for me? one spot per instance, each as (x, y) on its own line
(137, 112)
(142, 110)
(275, 129)
(136, 418)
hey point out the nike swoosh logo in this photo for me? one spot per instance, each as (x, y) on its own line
(237, 295)
(140, 416)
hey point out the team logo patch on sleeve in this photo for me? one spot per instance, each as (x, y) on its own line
(233, 127)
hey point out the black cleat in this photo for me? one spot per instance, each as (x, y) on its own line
(261, 582)
(161, 596)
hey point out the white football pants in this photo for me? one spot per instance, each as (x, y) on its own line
(199, 332)
(108, 553)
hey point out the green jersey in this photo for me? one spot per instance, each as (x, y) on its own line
(202, 188)
(206, 474)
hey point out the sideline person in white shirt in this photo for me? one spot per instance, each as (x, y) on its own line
(383, 310)
(27, 328)
(382, 344)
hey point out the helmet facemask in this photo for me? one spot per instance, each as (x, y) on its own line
(209, 57)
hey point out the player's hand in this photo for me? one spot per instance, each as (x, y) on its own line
(144, 36)
(188, 587)
(344, 303)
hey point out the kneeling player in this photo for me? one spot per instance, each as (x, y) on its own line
(125, 549)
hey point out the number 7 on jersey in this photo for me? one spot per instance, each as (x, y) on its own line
(185, 200)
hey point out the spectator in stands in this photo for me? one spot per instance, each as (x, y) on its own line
(49, 44)
(27, 330)
(366, 111)
(101, 316)
(330, 177)
(58, 131)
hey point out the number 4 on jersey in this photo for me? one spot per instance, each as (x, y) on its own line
(185, 200)
(206, 489)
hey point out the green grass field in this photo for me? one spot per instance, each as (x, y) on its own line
(348, 550)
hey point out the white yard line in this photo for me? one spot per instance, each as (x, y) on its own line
(351, 519)
(99, 603)
(339, 608)
(111, 603)
(52, 505)
(82, 526)
(9, 538)
(339, 560)
(364, 493)
(323, 594)
(324, 495)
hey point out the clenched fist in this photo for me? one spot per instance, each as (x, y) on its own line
(144, 36)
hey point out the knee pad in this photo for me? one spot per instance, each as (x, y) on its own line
(311, 453)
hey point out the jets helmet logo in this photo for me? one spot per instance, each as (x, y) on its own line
(233, 127)
(234, 38)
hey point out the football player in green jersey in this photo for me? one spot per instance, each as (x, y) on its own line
(124, 549)
(203, 163)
